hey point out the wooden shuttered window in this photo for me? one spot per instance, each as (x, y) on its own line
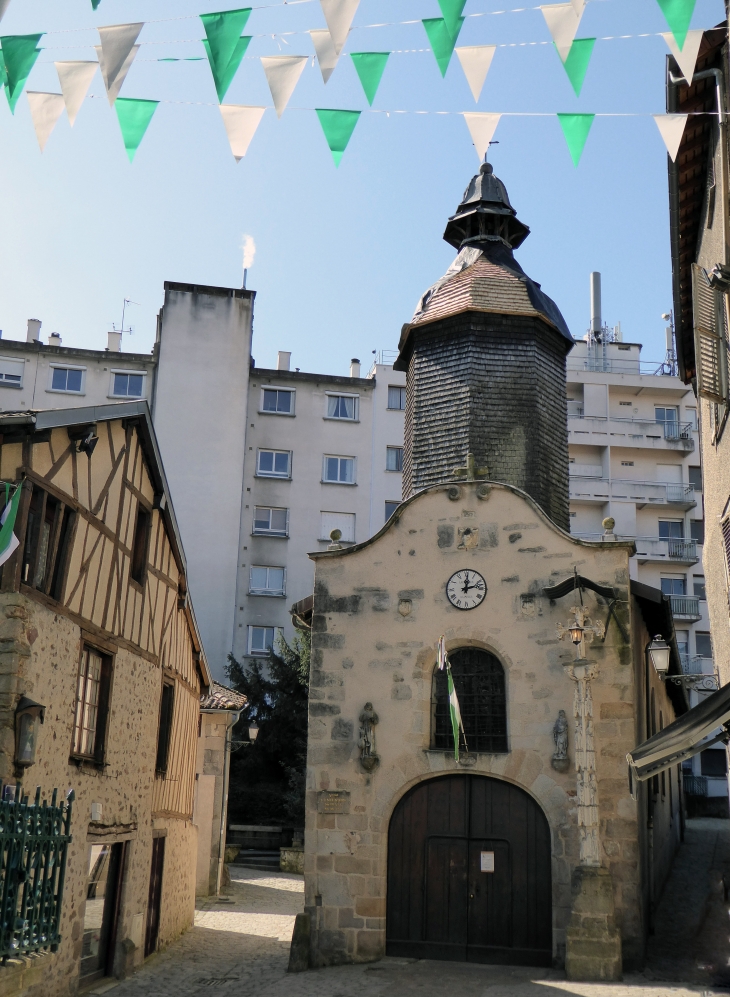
(164, 733)
(710, 338)
(725, 527)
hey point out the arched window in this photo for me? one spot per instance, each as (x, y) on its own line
(479, 683)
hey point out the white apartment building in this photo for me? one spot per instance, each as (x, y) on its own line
(634, 457)
(323, 453)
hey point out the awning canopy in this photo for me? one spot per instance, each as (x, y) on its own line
(683, 738)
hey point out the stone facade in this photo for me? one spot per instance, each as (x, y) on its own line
(494, 386)
(379, 609)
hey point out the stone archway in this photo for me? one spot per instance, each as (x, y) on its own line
(469, 874)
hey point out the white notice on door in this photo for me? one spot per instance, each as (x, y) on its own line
(487, 864)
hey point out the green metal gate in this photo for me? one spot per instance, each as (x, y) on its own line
(34, 839)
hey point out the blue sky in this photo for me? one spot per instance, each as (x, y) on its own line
(342, 255)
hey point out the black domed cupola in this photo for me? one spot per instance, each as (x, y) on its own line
(485, 214)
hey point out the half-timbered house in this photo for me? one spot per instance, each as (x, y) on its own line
(96, 626)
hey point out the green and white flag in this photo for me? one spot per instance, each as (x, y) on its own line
(9, 543)
(457, 725)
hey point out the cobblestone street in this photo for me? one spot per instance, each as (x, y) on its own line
(239, 947)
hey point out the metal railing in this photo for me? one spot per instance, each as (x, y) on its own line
(686, 605)
(659, 547)
(615, 366)
(677, 430)
(34, 839)
(583, 481)
(695, 785)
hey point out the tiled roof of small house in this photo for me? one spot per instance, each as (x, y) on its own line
(220, 697)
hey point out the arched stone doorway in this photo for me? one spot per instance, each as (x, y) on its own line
(469, 874)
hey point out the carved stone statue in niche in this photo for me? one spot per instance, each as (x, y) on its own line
(560, 736)
(369, 758)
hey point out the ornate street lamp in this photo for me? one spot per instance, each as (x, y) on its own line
(659, 652)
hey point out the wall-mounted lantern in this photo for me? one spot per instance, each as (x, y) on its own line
(659, 652)
(28, 718)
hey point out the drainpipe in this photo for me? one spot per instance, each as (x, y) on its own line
(234, 718)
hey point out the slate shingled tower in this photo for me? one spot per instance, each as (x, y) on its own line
(485, 361)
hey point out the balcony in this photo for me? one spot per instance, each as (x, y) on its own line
(694, 664)
(687, 609)
(658, 550)
(588, 486)
(694, 785)
(614, 431)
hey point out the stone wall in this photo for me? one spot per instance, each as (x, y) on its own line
(494, 386)
(378, 612)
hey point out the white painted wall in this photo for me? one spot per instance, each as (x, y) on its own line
(199, 413)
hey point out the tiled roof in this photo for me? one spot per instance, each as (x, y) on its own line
(481, 287)
(220, 697)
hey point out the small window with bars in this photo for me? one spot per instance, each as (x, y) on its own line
(480, 687)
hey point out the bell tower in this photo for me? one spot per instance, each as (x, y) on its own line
(485, 360)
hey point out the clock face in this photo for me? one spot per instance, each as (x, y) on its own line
(466, 589)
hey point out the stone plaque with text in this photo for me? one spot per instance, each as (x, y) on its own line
(333, 803)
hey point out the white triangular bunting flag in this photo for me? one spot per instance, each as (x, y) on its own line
(475, 61)
(117, 41)
(687, 56)
(326, 55)
(4, 4)
(75, 79)
(579, 6)
(282, 75)
(45, 110)
(671, 128)
(563, 21)
(339, 15)
(113, 91)
(481, 128)
(241, 123)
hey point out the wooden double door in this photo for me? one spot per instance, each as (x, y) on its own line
(469, 874)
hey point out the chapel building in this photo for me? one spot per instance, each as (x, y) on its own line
(529, 847)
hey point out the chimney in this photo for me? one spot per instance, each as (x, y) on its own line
(283, 360)
(34, 330)
(596, 321)
(54, 339)
(354, 367)
(115, 342)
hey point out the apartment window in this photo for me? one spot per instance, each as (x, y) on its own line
(127, 385)
(274, 522)
(277, 400)
(698, 584)
(713, 763)
(682, 637)
(342, 521)
(339, 470)
(164, 731)
(390, 508)
(625, 403)
(697, 530)
(11, 373)
(266, 581)
(261, 640)
(695, 477)
(93, 693)
(342, 407)
(665, 415)
(671, 529)
(627, 463)
(47, 538)
(394, 458)
(67, 379)
(140, 544)
(274, 464)
(396, 397)
(674, 586)
(703, 644)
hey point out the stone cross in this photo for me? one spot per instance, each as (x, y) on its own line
(471, 472)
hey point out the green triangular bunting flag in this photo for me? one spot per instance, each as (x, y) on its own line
(134, 117)
(678, 14)
(338, 127)
(95, 4)
(370, 66)
(575, 128)
(576, 65)
(442, 40)
(223, 31)
(451, 11)
(223, 74)
(19, 55)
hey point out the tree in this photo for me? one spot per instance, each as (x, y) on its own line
(267, 777)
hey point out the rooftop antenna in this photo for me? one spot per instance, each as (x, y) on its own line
(127, 301)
